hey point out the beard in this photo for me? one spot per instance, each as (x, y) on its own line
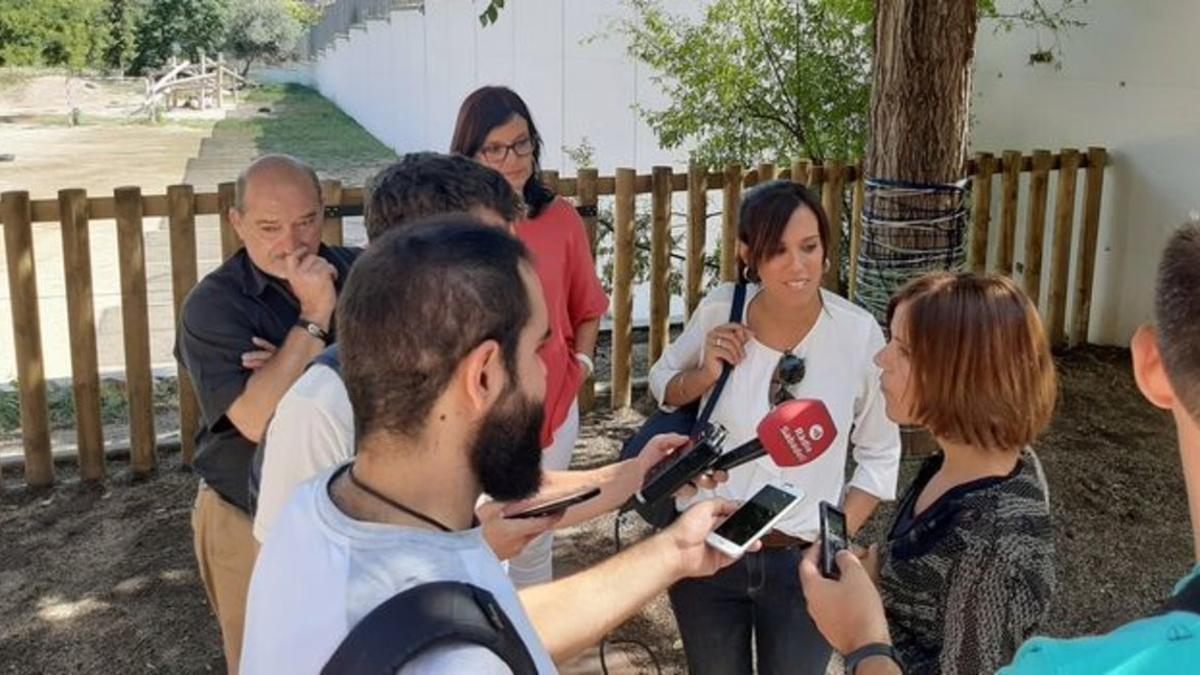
(507, 453)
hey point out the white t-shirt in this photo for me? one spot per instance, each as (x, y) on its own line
(312, 430)
(838, 355)
(320, 572)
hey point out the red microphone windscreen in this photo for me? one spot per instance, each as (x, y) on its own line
(796, 432)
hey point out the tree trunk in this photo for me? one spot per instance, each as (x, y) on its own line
(920, 110)
(920, 98)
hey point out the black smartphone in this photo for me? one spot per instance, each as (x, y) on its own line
(833, 539)
(556, 505)
(682, 466)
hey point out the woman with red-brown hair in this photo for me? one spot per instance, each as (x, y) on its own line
(969, 565)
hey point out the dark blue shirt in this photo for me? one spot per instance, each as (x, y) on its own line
(232, 304)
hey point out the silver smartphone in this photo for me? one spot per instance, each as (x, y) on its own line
(754, 518)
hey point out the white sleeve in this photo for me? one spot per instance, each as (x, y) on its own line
(687, 351)
(876, 438)
(456, 658)
(306, 435)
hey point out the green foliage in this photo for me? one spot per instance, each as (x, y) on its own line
(261, 30)
(759, 80)
(184, 28)
(52, 32)
(60, 403)
(305, 14)
(121, 18)
(491, 13)
(583, 155)
(756, 79)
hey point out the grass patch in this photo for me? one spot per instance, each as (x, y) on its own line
(60, 403)
(306, 125)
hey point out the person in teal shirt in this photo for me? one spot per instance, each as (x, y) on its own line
(1166, 365)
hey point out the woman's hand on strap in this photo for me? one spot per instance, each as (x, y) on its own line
(724, 344)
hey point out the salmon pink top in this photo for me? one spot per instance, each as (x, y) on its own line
(563, 260)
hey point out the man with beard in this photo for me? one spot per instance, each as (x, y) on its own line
(440, 327)
(313, 427)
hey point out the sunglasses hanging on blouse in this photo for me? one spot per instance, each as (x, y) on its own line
(788, 372)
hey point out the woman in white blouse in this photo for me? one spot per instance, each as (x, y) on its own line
(800, 341)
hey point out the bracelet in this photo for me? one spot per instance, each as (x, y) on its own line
(586, 361)
(868, 651)
(314, 330)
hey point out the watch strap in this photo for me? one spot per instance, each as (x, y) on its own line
(313, 330)
(871, 650)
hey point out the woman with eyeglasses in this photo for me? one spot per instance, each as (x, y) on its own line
(969, 566)
(495, 128)
(800, 341)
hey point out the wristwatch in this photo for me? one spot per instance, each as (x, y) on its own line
(313, 330)
(867, 651)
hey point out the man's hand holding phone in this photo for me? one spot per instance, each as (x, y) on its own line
(685, 539)
(662, 449)
(848, 611)
(509, 536)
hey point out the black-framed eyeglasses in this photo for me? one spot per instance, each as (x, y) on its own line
(498, 152)
(788, 372)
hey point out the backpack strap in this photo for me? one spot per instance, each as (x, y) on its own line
(328, 358)
(421, 617)
(1186, 600)
(735, 316)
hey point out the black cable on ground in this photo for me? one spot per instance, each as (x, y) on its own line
(605, 642)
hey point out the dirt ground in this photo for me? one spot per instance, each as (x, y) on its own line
(101, 579)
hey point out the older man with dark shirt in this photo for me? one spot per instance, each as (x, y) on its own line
(279, 289)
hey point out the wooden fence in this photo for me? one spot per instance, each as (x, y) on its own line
(838, 184)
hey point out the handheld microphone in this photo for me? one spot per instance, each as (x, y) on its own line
(794, 433)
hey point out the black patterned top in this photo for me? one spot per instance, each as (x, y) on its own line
(966, 581)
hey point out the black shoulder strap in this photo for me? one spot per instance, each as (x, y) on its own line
(1186, 600)
(421, 617)
(329, 358)
(735, 316)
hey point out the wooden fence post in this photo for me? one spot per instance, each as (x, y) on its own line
(588, 183)
(831, 199)
(27, 337)
(697, 234)
(135, 323)
(856, 232)
(1092, 191)
(586, 201)
(203, 83)
(622, 330)
(81, 324)
(230, 242)
(766, 172)
(660, 261)
(1035, 229)
(1010, 189)
(332, 227)
(220, 80)
(800, 171)
(981, 211)
(550, 180)
(1064, 217)
(182, 225)
(729, 221)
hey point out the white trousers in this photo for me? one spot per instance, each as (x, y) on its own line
(534, 565)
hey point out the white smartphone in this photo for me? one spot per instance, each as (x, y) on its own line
(754, 518)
